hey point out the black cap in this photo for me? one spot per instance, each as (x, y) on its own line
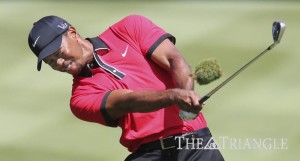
(45, 37)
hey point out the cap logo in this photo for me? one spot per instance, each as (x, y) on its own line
(35, 41)
(62, 26)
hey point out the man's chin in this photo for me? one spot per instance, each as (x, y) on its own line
(74, 73)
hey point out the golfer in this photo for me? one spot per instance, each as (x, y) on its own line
(130, 76)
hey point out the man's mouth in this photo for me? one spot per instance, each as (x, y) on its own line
(68, 67)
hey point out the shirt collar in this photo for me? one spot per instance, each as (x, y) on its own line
(98, 44)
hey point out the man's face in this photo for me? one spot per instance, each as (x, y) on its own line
(69, 58)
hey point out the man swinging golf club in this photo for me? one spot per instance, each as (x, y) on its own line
(131, 76)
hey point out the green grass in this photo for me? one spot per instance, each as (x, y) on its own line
(35, 120)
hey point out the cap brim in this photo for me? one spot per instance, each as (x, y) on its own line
(48, 50)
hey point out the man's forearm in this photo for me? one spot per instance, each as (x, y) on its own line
(181, 71)
(121, 102)
(146, 101)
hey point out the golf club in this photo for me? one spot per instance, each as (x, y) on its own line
(278, 28)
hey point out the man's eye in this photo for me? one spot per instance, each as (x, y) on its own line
(53, 57)
(56, 54)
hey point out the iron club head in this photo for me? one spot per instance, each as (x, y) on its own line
(277, 31)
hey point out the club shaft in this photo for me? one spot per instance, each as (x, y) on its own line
(207, 96)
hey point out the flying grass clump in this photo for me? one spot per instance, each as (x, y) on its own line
(207, 71)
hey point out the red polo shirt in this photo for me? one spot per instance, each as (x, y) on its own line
(123, 53)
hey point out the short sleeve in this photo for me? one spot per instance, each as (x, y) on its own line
(88, 103)
(143, 32)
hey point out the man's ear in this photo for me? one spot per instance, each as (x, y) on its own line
(72, 32)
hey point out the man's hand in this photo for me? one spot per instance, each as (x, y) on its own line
(186, 100)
